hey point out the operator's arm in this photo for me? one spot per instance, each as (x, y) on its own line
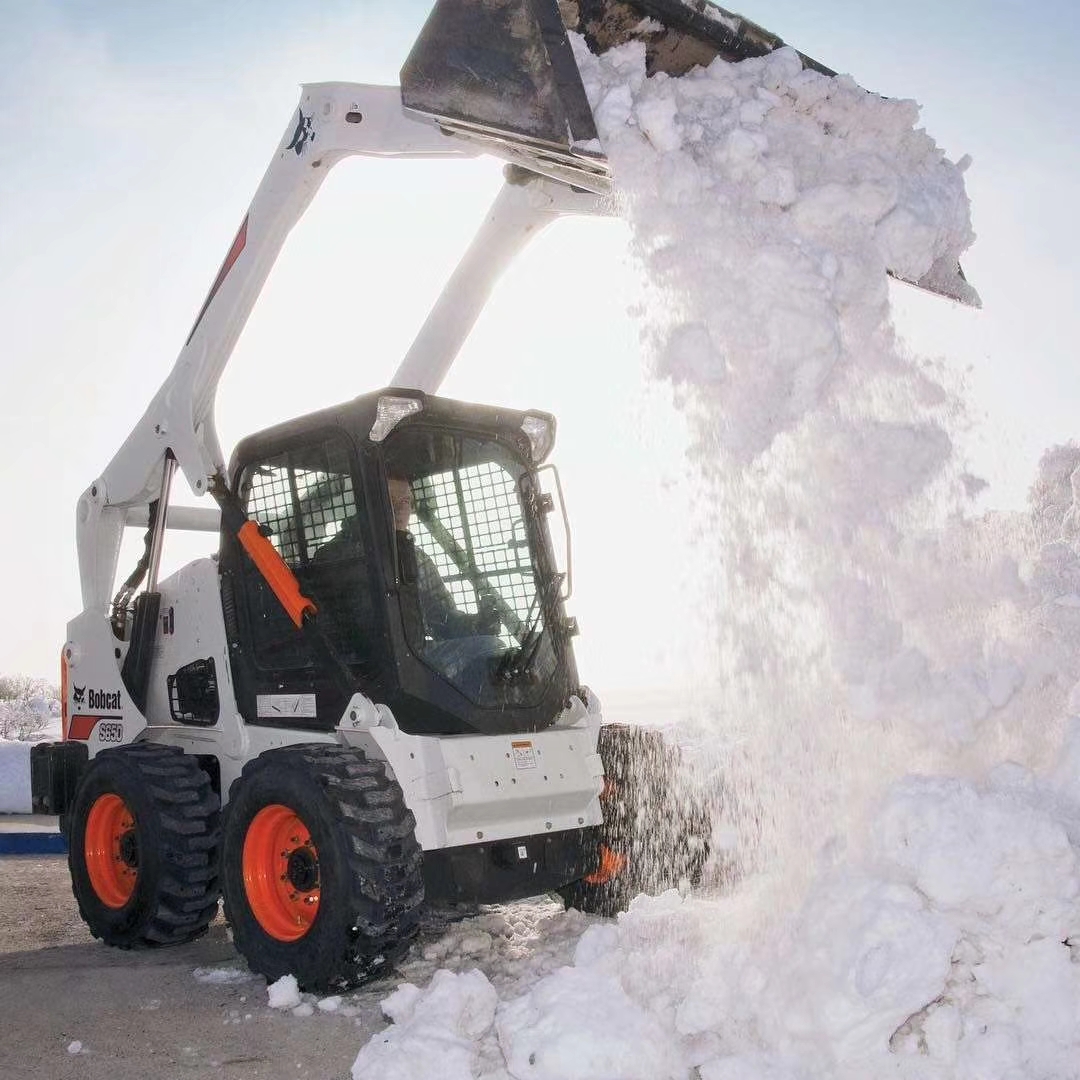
(442, 617)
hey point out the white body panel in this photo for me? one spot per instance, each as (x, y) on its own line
(462, 789)
(93, 668)
(190, 627)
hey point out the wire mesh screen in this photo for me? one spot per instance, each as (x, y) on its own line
(472, 527)
(303, 497)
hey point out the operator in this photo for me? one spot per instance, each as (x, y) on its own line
(455, 643)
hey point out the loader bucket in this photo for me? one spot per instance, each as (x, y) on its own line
(503, 71)
(500, 67)
(505, 67)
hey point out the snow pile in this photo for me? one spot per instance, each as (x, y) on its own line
(950, 947)
(517, 946)
(29, 712)
(437, 1039)
(1002, 865)
(284, 993)
(15, 797)
(868, 627)
(943, 952)
(527, 940)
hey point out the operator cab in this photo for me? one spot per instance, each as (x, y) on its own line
(418, 526)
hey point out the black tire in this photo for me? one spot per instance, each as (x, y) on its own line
(651, 820)
(167, 856)
(358, 865)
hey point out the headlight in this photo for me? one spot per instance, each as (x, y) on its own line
(541, 432)
(389, 412)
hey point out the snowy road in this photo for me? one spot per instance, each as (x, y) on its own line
(71, 1009)
(140, 1015)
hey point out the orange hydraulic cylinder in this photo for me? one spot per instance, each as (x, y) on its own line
(277, 573)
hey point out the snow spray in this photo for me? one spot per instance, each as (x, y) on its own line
(892, 718)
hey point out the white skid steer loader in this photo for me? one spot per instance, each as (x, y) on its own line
(367, 700)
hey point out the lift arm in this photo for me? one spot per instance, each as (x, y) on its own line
(333, 121)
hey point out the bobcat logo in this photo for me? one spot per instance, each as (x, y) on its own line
(79, 694)
(303, 134)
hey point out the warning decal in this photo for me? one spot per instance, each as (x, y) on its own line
(524, 755)
(285, 706)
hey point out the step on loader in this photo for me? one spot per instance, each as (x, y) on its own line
(366, 701)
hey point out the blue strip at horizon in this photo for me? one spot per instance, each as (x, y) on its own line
(32, 843)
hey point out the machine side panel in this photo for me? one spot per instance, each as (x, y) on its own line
(190, 629)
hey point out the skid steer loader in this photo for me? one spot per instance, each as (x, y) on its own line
(367, 699)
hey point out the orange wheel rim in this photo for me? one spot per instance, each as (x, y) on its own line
(112, 850)
(281, 873)
(612, 864)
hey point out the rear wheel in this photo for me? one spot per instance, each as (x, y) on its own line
(655, 834)
(142, 846)
(322, 871)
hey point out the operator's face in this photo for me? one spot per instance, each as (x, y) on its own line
(400, 500)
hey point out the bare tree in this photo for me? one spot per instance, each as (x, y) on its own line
(26, 706)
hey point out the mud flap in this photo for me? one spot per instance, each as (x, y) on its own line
(55, 771)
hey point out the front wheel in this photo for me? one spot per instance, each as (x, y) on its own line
(142, 846)
(322, 871)
(655, 833)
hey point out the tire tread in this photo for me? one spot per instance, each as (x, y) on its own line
(187, 821)
(384, 871)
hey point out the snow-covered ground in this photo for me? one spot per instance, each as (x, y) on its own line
(890, 701)
(935, 953)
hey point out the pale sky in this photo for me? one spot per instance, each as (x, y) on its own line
(133, 135)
